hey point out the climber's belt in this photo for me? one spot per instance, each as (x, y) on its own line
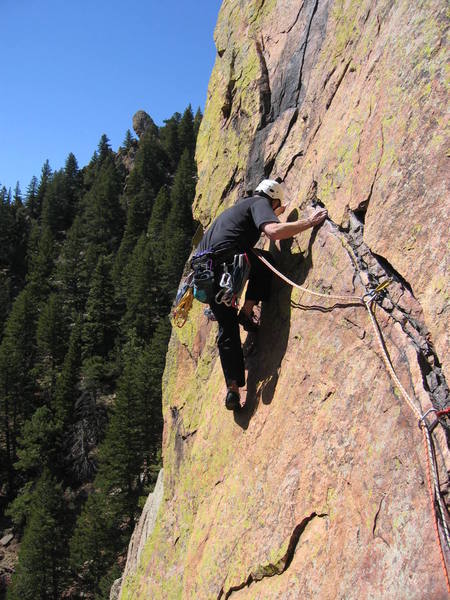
(202, 265)
(226, 267)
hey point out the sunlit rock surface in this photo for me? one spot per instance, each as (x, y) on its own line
(317, 489)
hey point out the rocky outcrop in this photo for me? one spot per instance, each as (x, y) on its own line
(142, 531)
(142, 122)
(317, 489)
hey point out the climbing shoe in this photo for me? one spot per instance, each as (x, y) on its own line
(232, 400)
(247, 322)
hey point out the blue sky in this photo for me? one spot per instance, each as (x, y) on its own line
(71, 71)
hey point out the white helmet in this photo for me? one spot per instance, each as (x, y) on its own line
(271, 188)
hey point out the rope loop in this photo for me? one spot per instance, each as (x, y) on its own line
(422, 422)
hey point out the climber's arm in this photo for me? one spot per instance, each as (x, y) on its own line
(283, 231)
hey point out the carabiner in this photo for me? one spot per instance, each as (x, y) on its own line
(223, 296)
(225, 280)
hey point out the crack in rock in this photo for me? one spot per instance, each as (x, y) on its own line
(295, 22)
(314, 10)
(189, 434)
(337, 86)
(265, 94)
(272, 569)
(230, 90)
(375, 519)
(378, 164)
(375, 522)
(296, 113)
(229, 185)
(397, 301)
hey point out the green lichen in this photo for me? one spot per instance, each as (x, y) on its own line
(259, 10)
(345, 15)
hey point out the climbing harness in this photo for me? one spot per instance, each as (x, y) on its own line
(232, 284)
(432, 469)
(200, 282)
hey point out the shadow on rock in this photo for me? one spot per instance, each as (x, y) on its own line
(264, 351)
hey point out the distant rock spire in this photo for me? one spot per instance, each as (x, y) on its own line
(141, 122)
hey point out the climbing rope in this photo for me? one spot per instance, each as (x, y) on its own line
(299, 287)
(428, 444)
(432, 471)
(181, 311)
(431, 460)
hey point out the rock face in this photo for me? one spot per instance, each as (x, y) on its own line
(143, 530)
(317, 489)
(141, 122)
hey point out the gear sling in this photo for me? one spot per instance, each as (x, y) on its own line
(214, 269)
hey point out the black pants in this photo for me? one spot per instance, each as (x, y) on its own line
(229, 340)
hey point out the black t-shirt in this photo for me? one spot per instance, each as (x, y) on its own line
(238, 227)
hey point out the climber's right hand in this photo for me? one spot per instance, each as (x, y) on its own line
(318, 217)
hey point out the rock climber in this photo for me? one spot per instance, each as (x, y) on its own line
(236, 230)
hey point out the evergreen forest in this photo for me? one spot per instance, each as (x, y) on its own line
(90, 259)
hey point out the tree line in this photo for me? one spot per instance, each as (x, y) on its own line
(89, 264)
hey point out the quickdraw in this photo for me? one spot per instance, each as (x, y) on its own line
(232, 284)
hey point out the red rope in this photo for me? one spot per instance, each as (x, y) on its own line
(445, 411)
(435, 521)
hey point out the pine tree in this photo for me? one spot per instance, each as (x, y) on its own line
(67, 383)
(179, 226)
(186, 132)
(130, 449)
(138, 214)
(41, 256)
(51, 344)
(129, 141)
(71, 277)
(151, 166)
(120, 455)
(103, 217)
(148, 388)
(157, 223)
(17, 386)
(100, 320)
(95, 543)
(20, 234)
(31, 197)
(42, 567)
(56, 212)
(144, 295)
(7, 224)
(73, 188)
(46, 176)
(169, 138)
(104, 149)
(38, 443)
(197, 121)
(5, 299)
(17, 195)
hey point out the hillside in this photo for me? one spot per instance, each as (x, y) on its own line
(89, 263)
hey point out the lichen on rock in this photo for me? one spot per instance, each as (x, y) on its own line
(345, 101)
